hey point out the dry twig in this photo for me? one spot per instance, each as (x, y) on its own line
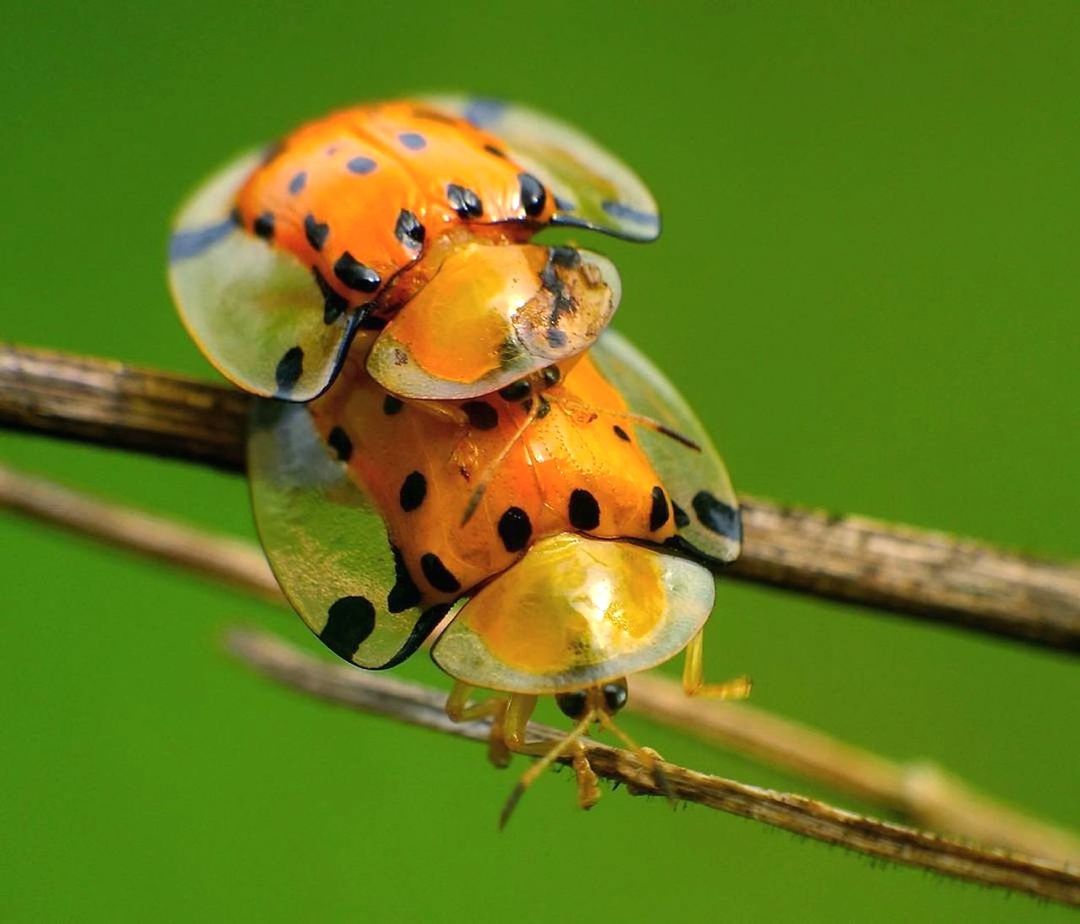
(919, 792)
(416, 705)
(236, 563)
(899, 569)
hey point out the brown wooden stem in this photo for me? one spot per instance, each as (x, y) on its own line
(899, 569)
(420, 706)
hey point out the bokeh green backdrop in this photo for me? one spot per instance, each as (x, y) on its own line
(866, 284)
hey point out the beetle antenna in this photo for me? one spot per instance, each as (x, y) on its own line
(649, 423)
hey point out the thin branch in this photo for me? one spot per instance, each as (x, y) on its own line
(420, 706)
(899, 569)
(918, 791)
(236, 563)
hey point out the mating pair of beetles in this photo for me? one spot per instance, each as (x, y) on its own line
(451, 445)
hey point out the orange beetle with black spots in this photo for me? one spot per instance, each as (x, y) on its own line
(281, 258)
(578, 513)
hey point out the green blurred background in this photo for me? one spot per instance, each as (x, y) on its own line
(867, 286)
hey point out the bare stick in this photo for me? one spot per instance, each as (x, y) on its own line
(918, 791)
(236, 563)
(416, 705)
(914, 572)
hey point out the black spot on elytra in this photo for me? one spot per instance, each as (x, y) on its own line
(414, 141)
(360, 165)
(289, 369)
(341, 444)
(682, 519)
(334, 304)
(297, 183)
(355, 274)
(264, 226)
(315, 231)
(482, 416)
(621, 433)
(404, 595)
(515, 530)
(659, 512)
(498, 152)
(533, 195)
(408, 229)
(516, 391)
(584, 510)
(717, 516)
(350, 620)
(392, 405)
(464, 201)
(437, 574)
(413, 491)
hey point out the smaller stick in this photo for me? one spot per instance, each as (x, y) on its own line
(232, 561)
(420, 706)
(919, 791)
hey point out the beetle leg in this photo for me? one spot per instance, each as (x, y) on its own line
(693, 681)
(588, 794)
(516, 722)
(650, 760)
(459, 709)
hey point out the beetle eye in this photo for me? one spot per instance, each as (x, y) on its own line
(572, 704)
(551, 375)
(615, 695)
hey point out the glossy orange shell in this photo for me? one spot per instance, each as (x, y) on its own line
(579, 467)
(358, 195)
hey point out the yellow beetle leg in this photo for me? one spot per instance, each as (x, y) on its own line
(694, 684)
(517, 719)
(650, 760)
(459, 710)
(588, 793)
(518, 713)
